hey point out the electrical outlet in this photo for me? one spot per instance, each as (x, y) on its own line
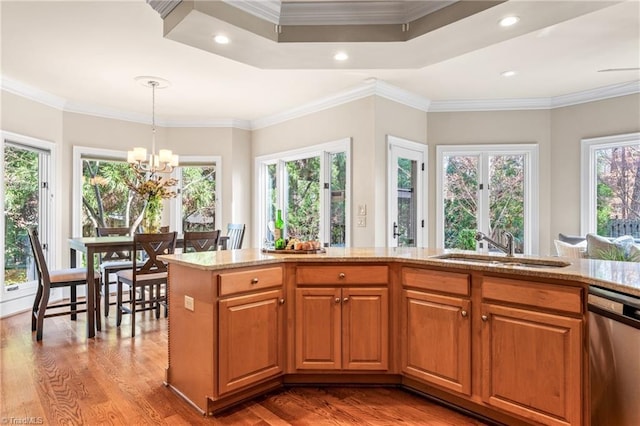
(362, 209)
(188, 303)
(362, 222)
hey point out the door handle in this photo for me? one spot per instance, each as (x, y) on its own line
(395, 231)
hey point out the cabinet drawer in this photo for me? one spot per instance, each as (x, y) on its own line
(547, 296)
(256, 279)
(348, 275)
(449, 282)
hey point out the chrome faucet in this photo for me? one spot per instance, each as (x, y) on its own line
(505, 248)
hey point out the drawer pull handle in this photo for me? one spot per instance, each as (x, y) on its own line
(463, 313)
(254, 281)
(345, 300)
(337, 300)
(281, 301)
(341, 275)
(484, 318)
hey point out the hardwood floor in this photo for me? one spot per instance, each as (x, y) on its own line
(116, 380)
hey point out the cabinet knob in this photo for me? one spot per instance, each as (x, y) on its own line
(341, 275)
(464, 313)
(254, 281)
(345, 300)
(484, 318)
(281, 301)
(337, 300)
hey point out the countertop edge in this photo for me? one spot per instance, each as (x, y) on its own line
(623, 277)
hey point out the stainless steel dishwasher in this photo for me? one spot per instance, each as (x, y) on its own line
(614, 339)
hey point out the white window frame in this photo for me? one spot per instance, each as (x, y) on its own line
(531, 213)
(320, 150)
(588, 196)
(79, 152)
(22, 298)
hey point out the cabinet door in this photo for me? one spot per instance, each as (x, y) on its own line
(531, 364)
(251, 337)
(365, 329)
(317, 325)
(437, 343)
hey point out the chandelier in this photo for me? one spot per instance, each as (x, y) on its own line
(164, 161)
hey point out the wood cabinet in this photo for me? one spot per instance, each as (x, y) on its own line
(532, 358)
(251, 338)
(251, 328)
(341, 328)
(436, 346)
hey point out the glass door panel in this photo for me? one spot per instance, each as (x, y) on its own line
(461, 201)
(302, 219)
(25, 207)
(406, 202)
(506, 198)
(338, 188)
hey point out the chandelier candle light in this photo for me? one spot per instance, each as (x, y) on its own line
(165, 160)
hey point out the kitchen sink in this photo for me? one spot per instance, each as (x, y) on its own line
(524, 262)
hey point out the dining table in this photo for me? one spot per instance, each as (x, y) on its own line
(91, 246)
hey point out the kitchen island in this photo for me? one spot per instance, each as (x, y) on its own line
(506, 341)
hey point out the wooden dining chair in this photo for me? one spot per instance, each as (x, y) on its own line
(112, 262)
(47, 280)
(148, 276)
(194, 241)
(234, 237)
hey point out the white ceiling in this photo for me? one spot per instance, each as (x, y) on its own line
(84, 55)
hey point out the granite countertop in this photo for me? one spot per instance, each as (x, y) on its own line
(623, 277)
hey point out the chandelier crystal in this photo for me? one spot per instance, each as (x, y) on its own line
(162, 162)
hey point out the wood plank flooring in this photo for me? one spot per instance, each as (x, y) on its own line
(116, 380)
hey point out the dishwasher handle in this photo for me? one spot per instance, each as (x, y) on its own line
(625, 308)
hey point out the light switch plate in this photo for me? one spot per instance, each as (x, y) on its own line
(362, 209)
(362, 221)
(188, 303)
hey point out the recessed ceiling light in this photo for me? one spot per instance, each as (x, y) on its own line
(508, 73)
(341, 56)
(221, 39)
(509, 21)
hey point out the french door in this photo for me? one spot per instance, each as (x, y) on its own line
(26, 202)
(489, 189)
(406, 213)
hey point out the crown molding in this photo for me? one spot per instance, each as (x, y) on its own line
(269, 10)
(606, 92)
(32, 93)
(601, 93)
(370, 88)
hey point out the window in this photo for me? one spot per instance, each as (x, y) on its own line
(611, 185)
(102, 197)
(311, 188)
(488, 188)
(27, 201)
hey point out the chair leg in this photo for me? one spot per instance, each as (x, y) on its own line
(133, 312)
(106, 292)
(44, 301)
(156, 297)
(36, 304)
(74, 301)
(119, 304)
(96, 304)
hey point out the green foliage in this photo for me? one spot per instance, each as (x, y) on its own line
(22, 192)
(617, 254)
(303, 210)
(466, 239)
(199, 198)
